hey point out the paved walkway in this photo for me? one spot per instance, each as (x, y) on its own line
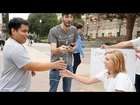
(40, 83)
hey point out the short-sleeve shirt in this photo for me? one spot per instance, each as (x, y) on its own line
(120, 82)
(13, 77)
(136, 42)
(60, 37)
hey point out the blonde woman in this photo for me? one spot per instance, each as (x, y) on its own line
(114, 77)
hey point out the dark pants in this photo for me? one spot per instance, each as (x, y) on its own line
(76, 62)
(137, 82)
(2, 42)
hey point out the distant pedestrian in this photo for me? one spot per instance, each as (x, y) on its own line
(77, 54)
(30, 39)
(2, 39)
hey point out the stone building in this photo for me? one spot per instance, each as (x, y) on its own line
(106, 28)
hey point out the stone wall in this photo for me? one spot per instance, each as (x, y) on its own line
(97, 43)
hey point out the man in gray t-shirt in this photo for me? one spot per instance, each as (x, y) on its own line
(60, 37)
(13, 74)
(17, 67)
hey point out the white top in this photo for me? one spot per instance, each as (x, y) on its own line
(120, 82)
(136, 42)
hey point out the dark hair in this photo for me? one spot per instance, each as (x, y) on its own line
(16, 24)
(79, 26)
(66, 14)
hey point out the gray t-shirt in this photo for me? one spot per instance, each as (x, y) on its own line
(13, 77)
(136, 42)
(60, 37)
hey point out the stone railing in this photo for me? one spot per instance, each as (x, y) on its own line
(109, 40)
(112, 38)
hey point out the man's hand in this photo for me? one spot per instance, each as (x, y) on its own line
(63, 49)
(60, 64)
(70, 48)
(104, 46)
(137, 49)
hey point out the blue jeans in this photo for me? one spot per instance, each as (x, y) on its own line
(55, 78)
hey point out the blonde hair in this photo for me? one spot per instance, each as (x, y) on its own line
(119, 61)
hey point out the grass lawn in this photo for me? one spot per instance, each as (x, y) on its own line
(43, 40)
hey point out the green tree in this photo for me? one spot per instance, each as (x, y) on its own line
(49, 20)
(5, 18)
(77, 19)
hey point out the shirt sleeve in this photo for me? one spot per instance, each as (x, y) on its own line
(123, 82)
(20, 57)
(101, 76)
(136, 42)
(52, 37)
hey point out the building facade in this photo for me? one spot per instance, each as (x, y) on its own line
(107, 28)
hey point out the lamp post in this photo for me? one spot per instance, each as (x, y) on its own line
(120, 23)
(40, 21)
(87, 30)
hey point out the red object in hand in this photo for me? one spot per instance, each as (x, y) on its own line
(138, 55)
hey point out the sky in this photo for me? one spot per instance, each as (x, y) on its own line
(22, 15)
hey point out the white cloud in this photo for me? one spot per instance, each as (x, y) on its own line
(22, 15)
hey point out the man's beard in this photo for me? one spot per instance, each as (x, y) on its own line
(67, 25)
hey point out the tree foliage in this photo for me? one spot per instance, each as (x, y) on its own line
(5, 18)
(49, 20)
(78, 18)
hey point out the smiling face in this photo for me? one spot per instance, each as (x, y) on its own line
(21, 34)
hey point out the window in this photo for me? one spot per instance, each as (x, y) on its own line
(104, 24)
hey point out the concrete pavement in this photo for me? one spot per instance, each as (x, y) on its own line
(40, 52)
(40, 83)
